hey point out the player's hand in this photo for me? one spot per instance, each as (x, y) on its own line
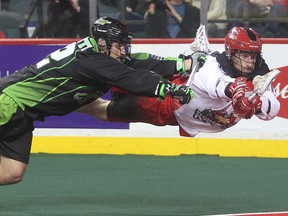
(246, 108)
(240, 88)
(243, 107)
(197, 61)
(181, 92)
(240, 91)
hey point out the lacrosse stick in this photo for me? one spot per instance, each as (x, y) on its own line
(200, 44)
(261, 83)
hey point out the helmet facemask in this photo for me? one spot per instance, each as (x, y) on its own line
(245, 62)
(120, 42)
(243, 47)
(120, 51)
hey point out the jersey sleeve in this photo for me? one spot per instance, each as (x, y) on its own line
(104, 69)
(163, 66)
(270, 106)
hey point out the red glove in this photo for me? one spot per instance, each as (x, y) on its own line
(246, 109)
(240, 91)
(240, 88)
(243, 107)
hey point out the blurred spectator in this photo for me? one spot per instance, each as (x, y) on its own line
(265, 9)
(5, 5)
(63, 18)
(230, 5)
(196, 3)
(134, 10)
(68, 18)
(111, 3)
(255, 9)
(84, 19)
(217, 11)
(172, 19)
(277, 29)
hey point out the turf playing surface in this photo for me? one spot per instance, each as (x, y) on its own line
(147, 185)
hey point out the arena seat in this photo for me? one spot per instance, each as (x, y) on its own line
(9, 24)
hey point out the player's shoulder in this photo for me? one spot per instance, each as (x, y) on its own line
(211, 62)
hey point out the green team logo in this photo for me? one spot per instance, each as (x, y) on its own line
(84, 97)
(102, 22)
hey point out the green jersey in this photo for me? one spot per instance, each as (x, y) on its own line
(72, 77)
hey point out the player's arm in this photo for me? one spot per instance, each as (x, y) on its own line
(141, 82)
(167, 66)
(256, 97)
(270, 106)
(163, 66)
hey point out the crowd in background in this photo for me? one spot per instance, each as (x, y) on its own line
(162, 18)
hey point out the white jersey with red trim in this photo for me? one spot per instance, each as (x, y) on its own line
(211, 110)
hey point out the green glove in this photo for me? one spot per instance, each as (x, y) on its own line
(182, 93)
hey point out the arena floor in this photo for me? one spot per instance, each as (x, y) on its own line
(133, 185)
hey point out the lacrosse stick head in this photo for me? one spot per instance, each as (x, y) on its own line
(199, 47)
(261, 83)
(201, 42)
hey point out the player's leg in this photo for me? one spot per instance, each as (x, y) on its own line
(122, 108)
(15, 146)
(15, 153)
(131, 108)
(11, 171)
(97, 109)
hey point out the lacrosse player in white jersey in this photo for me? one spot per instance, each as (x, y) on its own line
(225, 91)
